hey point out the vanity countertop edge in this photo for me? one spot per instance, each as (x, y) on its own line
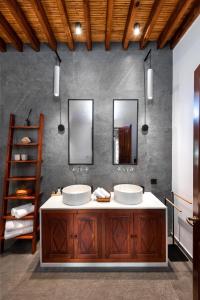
(150, 201)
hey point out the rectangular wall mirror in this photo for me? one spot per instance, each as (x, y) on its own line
(80, 131)
(125, 131)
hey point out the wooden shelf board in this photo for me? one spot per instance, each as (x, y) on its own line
(15, 197)
(26, 127)
(23, 161)
(25, 145)
(28, 236)
(28, 217)
(22, 178)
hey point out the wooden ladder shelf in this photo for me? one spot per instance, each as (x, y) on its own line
(35, 179)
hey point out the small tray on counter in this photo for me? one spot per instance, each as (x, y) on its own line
(106, 199)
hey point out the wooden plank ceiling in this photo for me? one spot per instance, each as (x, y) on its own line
(53, 21)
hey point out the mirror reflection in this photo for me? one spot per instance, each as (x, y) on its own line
(125, 131)
(80, 126)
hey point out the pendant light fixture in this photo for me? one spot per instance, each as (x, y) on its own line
(56, 90)
(145, 127)
(148, 89)
(149, 78)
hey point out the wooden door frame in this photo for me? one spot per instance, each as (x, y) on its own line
(196, 186)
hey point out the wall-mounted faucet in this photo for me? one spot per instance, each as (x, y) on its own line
(125, 169)
(80, 169)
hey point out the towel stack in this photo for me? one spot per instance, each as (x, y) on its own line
(101, 193)
(22, 210)
(14, 228)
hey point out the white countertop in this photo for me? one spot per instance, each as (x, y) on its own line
(149, 202)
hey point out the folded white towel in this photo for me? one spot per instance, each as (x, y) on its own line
(101, 193)
(22, 211)
(14, 225)
(24, 206)
(98, 193)
(14, 233)
(104, 192)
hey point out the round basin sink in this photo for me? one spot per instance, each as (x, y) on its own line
(76, 194)
(128, 194)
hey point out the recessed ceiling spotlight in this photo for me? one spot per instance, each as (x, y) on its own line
(136, 29)
(78, 28)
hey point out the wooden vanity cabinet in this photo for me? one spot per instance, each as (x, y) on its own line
(118, 235)
(87, 235)
(57, 236)
(149, 235)
(104, 235)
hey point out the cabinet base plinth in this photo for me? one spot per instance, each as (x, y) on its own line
(107, 265)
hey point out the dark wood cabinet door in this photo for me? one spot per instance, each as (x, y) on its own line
(87, 235)
(57, 236)
(118, 235)
(149, 232)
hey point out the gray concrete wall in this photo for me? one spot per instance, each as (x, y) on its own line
(27, 82)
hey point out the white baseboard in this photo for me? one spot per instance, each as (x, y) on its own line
(190, 256)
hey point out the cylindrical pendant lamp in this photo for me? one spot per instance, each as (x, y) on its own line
(56, 80)
(149, 84)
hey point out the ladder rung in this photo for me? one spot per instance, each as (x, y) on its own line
(25, 145)
(15, 197)
(23, 161)
(28, 236)
(28, 217)
(25, 127)
(22, 178)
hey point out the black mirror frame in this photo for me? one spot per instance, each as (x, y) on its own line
(136, 161)
(82, 164)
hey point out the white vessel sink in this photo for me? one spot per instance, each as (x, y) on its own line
(128, 194)
(76, 195)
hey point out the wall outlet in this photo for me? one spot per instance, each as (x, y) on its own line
(153, 181)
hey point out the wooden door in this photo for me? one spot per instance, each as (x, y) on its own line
(125, 142)
(149, 232)
(57, 236)
(87, 235)
(196, 188)
(118, 235)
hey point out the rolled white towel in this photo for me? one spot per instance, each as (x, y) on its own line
(17, 224)
(14, 233)
(98, 193)
(24, 206)
(19, 213)
(105, 193)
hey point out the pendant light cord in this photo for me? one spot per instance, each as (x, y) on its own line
(60, 112)
(145, 102)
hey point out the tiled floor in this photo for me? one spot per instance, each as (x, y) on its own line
(22, 278)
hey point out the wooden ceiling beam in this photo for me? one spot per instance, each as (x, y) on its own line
(44, 22)
(2, 45)
(86, 8)
(189, 19)
(10, 33)
(173, 21)
(21, 19)
(108, 23)
(129, 23)
(154, 14)
(65, 20)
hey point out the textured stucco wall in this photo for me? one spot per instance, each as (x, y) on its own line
(27, 82)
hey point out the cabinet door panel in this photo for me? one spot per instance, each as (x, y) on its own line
(118, 235)
(149, 235)
(87, 235)
(57, 236)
